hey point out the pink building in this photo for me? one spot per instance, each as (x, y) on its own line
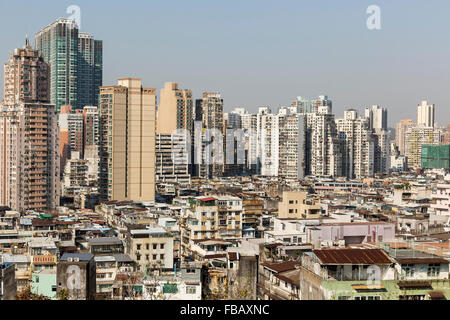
(352, 233)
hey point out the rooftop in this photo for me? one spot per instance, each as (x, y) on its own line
(352, 256)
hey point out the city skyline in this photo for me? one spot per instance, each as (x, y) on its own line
(211, 150)
(401, 64)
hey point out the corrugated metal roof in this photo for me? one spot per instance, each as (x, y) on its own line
(282, 266)
(352, 256)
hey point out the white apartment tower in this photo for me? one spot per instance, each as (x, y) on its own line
(358, 161)
(425, 114)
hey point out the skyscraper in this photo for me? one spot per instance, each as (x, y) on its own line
(127, 141)
(358, 161)
(29, 159)
(400, 131)
(415, 138)
(175, 109)
(377, 117)
(90, 70)
(291, 145)
(71, 133)
(269, 138)
(425, 114)
(26, 77)
(90, 127)
(175, 113)
(325, 157)
(28, 151)
(75, 61)
(213, 157)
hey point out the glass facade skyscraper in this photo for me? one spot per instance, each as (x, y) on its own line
(76, 64)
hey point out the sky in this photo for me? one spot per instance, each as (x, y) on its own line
(261, 52)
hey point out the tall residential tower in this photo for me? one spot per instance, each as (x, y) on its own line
(127, 141)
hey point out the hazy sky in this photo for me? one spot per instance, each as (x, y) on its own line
(261, 52)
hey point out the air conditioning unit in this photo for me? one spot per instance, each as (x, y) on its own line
(70, 259)
(76, 259)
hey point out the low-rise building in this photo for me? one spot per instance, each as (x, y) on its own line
(8, 288)
(150, 247)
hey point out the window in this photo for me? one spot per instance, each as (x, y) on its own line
(147, 246)
(154, 257)
(154, 246)
(138, 247)
(408, 270)
(161, 245)
(291, 201)
(161, 256)
(170, 288)
(190, 271)
(147, 257)
(191, 290)
(433, 269)
(138, 257)
(343, 298)
(368, 298)
(151, 289)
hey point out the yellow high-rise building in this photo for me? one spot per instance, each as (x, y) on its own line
(127, 141)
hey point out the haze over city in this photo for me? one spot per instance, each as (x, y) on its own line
(265, 52)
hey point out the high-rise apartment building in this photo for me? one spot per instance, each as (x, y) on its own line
(175, 109)
(248, 124)
(425, 114)
(213, 157)
(71, 133)
(323, 144)
(415, 137)
(269, 143)
(29, 174)
(127, 141)
(174, 127)
(291, 146)
(172, 158)
(377, 117)
(321, 101)
(382, 151)
(29, 159)
(358, 155)
(75, 61)
(26, 77)
(400, 131)
(91, 140)
(90, 126)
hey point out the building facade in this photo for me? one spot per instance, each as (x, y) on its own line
(127, 141)
(75, 61)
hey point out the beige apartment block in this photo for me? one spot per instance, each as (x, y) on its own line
(295, 205)
(127, 141)
(175, 110)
